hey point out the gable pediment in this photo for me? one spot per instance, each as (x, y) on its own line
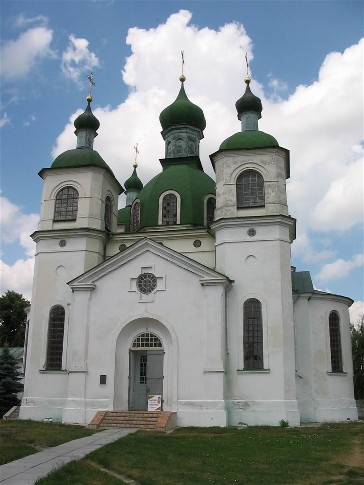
(206, 275)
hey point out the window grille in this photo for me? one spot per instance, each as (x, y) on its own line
(143, 369)
(108, 212)
(66, 204)
(169, 210)
(147, 340)
(135, 217)
(335, 342)
(210, 210)
(250, 189)
(55, 337)
(253, 334)
(146, 283)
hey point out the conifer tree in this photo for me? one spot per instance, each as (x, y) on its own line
(9, 381)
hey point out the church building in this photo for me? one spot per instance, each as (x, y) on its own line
(186, 295)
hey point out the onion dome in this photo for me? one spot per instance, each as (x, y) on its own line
(133, 182)
(87, 120)
(249, 109)
(249, 139)
(186, 179)
(248, 102)
(80, 157)
(182, 112)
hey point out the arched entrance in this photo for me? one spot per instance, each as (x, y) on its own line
(145, 370)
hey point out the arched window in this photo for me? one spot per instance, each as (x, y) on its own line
(335, 342)
(169, 210)
(147, 340)
(108, 213)
(135, 216)
(210, 210)
(253, 334)
(55, 337)
(66, 204)
(250, 189)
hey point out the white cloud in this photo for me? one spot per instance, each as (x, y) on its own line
(22, 21)
(17, 226)
(4, 120)
(18, 57)
(154, 84)
(320, 123)
(77, 59)
(343, 200)
(340, 268)
(356, 312)
(17, 277)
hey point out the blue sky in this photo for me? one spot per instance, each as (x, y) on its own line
(306, 63)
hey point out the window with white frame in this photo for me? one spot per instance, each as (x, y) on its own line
(66, 204)
(335, 342)
(250, 189)
(55, 337)
(135, 217)
(253, 334)
(210, 210)
(169, 210)
(108, 213)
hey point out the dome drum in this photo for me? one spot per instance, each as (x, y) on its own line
(182, 142)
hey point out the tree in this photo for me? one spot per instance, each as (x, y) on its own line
(12, 319)
(357, 339)
(9, 381)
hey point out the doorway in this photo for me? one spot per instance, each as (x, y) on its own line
(145, 370)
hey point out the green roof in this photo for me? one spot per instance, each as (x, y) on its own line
(182, 112)
(124, 217)
(87, 120)
(79, 157)
(133, 182)
(248, 102)
(249, 139)
(191, 183)
(301, 282)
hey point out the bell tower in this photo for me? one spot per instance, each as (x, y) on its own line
(78, 213)
(254, 233)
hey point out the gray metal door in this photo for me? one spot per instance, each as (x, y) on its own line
(155, 372)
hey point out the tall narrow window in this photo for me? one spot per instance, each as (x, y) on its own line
(253, 334)
(66, 204)
(335, 342)
(250, 189)
(108, 212)
(210, 210)
(169, 210)
(135, 217)
(55, 337)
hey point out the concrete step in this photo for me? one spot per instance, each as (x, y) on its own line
(152, 420)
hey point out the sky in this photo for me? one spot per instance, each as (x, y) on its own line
(306, 61)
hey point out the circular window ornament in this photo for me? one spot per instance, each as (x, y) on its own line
(146, 283)
(197, 243)
(122, 247)
(62, 243)
(251, 232)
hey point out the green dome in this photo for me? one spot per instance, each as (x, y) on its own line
(133, 182)
(87, 120)
(124, 216)
(248, 102)
(189, 182)
(79, 157)
(249, 139)
(182, 112)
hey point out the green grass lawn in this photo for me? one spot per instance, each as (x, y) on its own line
(193, 456)
(21, 438)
